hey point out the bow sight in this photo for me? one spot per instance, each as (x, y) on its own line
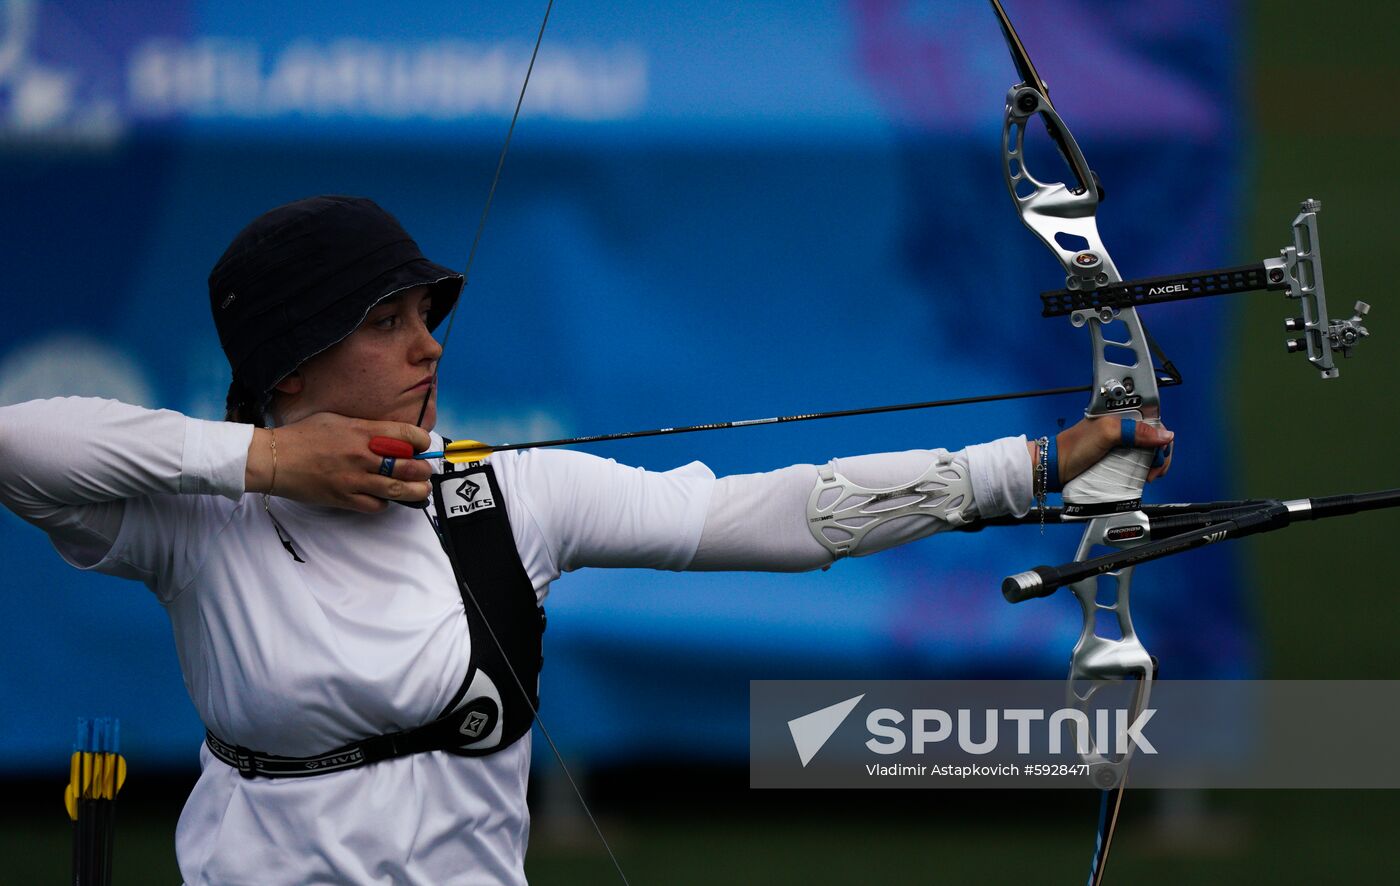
(1297, 273)
(1063, 217)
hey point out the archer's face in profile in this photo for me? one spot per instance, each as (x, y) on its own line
(381, 371)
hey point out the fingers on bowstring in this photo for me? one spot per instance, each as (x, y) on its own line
(396, 478)
(388, 477)
(410, 434)
(375, 491)
(404, 490)
(395, 440)
(365, 504)
(391, 450)
(407, 469)
(403, 479)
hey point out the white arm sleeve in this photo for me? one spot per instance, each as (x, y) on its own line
(595, 512)
(759, 521)
(68, 465)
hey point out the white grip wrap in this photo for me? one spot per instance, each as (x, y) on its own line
(1118, 477)
(840, 513)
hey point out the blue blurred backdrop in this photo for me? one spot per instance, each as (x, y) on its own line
(711, 211)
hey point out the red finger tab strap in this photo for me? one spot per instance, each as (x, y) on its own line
(390, 448)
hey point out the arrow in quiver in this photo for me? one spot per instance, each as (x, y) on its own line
(96, 773)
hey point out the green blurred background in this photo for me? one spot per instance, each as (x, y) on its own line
(1320, 75)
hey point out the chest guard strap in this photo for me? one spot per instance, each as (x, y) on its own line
(489, 712)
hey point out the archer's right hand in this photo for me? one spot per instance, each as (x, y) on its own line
(324, 459)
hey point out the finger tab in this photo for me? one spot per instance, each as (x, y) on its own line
(390, 448)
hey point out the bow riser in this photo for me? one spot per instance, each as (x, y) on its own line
(1125, 384)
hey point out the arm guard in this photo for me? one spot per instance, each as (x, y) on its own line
(840, 513)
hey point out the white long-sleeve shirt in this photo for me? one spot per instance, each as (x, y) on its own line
(368, 635)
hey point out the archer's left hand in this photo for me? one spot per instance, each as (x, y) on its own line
(1083, 445)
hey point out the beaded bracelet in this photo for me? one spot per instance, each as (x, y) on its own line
(1041, 481)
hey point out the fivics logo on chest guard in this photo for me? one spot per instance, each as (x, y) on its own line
(470, 494)
(474, 725)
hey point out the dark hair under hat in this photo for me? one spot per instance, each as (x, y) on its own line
(301, 278)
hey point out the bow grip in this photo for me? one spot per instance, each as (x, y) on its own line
(1118, 477)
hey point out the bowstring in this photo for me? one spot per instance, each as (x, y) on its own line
(486, 208)
(423, 411)
(544, 730)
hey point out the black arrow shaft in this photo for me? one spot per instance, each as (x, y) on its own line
(780, 419)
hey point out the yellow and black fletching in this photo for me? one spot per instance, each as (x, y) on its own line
(96, 773)
(465, 452)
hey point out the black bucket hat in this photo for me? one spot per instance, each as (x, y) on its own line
(302, 277)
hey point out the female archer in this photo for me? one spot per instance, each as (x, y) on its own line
(360, 729)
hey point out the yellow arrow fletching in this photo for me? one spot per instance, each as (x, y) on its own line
(70, 792)
(102, 778)
(93, 777)
(113, 776)
(465, 452)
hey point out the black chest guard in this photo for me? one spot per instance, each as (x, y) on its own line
(496, 703)
(505, 620)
